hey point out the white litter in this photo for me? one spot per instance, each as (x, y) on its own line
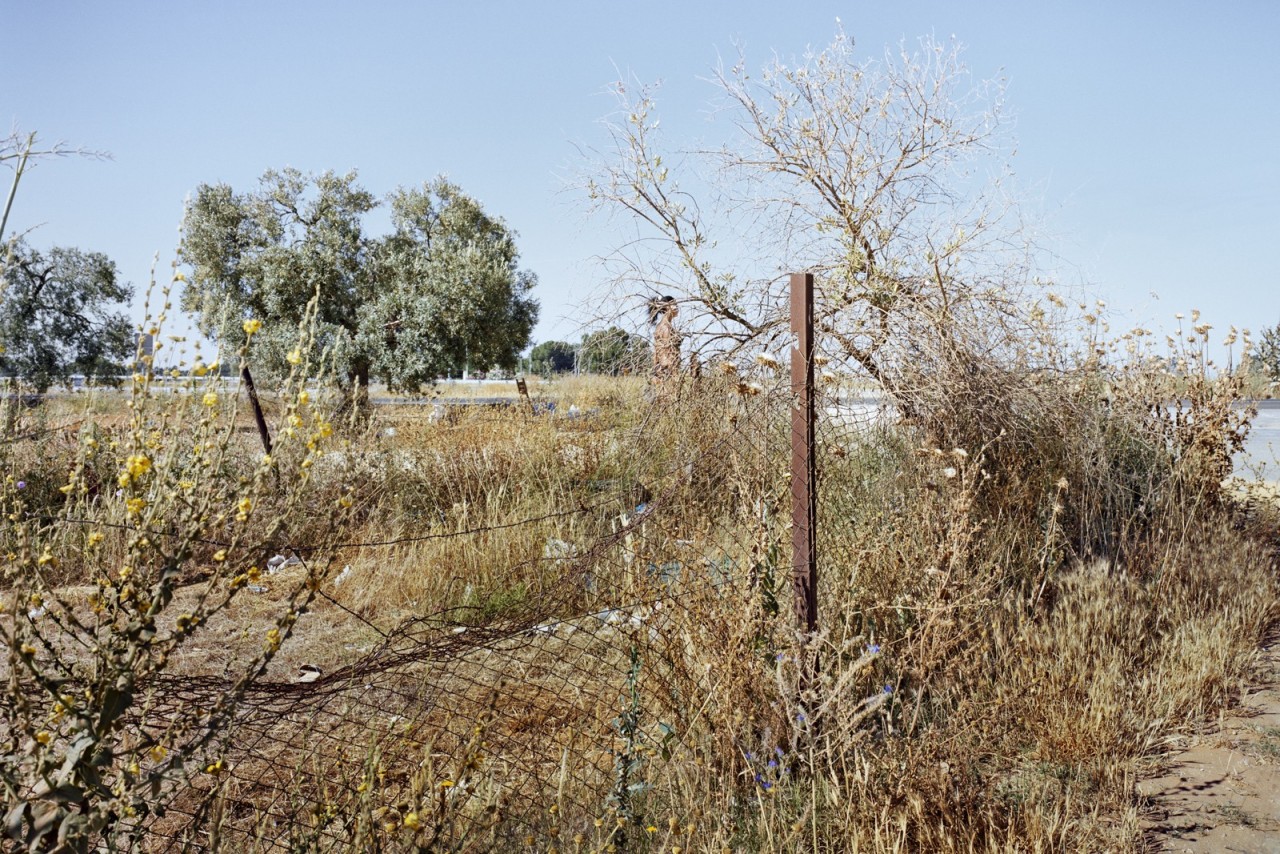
(556, 549)
(279, 562)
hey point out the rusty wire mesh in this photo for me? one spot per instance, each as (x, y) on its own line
(537, 722)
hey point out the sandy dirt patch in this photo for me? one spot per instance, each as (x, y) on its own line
(1221, 793)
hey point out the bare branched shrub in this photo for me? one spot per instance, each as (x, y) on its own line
(868, 172)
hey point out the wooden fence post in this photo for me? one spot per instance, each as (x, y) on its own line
(257, 408)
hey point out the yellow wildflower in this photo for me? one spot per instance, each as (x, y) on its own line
(294, 357)
(137, 465)
(44, 737)
(303, 398)
(252, 325)
(135, 505)
(411, 821)
(210, 398)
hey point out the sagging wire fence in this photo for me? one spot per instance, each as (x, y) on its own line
(557, 704)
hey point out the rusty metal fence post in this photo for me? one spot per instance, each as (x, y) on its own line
(804, 498)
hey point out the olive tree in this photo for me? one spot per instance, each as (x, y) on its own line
(445, 291)
(442, 289)
(1266, 352)
(61, 314)
(876, 174)
(553, 357)
(614, 351)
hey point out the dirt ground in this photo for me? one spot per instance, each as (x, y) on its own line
(1221, 793)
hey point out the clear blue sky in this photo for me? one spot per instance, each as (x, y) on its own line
(1147, 133)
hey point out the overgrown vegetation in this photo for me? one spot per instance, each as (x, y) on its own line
(1022, 597)
(569, 627)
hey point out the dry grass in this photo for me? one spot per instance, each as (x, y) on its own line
(1012, 631)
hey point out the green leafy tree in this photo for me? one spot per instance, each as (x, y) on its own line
(264, 254)
(614, 351)
(552, 357)
(445, 291)
(442, 290)
(1267, 352)
(60, 315)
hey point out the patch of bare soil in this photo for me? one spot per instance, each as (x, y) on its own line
(1222, 792)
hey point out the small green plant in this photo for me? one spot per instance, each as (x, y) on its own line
(628, 759)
